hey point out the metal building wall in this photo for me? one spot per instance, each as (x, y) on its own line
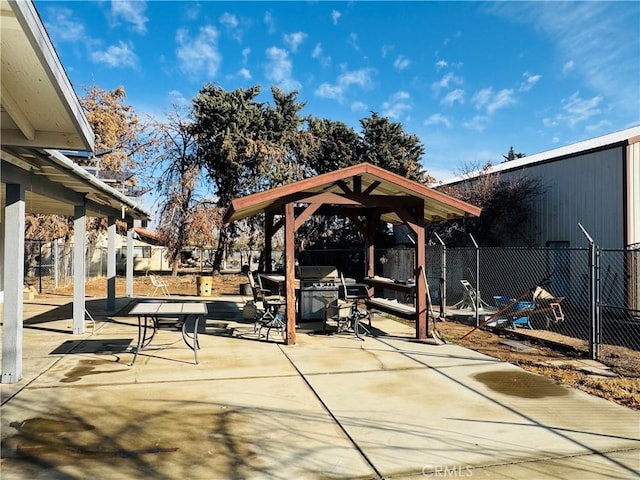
(633, 193)
(587, 189)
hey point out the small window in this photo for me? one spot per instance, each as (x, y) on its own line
(138, 252)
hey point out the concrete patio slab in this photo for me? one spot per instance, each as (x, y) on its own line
(331, 406)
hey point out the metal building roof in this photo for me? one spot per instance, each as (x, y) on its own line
(598, 143)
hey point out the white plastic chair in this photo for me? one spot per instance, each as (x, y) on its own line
(158, 285)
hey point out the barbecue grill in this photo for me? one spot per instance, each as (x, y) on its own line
(319, 286)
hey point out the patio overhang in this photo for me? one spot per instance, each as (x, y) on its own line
(54, 184)
(40, 114)
(39, 105)
(364, 193)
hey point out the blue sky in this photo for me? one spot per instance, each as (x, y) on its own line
(470, 79)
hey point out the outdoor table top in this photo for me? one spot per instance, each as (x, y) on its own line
(158, 308)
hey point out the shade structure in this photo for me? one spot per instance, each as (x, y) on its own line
(364, 193)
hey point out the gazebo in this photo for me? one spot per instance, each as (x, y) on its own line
(364, 193)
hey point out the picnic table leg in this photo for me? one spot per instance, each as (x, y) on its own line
(195, 345)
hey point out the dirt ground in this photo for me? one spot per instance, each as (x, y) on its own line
(557, 363)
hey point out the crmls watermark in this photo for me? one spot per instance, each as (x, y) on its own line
(443, 471)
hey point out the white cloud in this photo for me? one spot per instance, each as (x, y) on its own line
(502, 99)
(568, 66)
(492, 102)
(353, 41)
(245, 55)
(335, 15)
(440, 64)
(63, 27)
(229, 20)
(397, 104)
(293, 40)
(447, 81)
(482, 97)
(270, 22)
(199, 54)
(438, 119)
(600, 127)
(361, 78)
(594, 39)
(530, 81)
(453, 96)
(359, 106)
(116, 56)
(386, 49)
(178, 98)
(232, 25)
(279, 69)
(577, 110)
(326, 90)
(132, 12)
(477, 123)
(319, 55)
(401, 62)
(244, 73)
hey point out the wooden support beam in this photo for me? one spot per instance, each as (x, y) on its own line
(306, 213)
(289, 272)
(422, 314)
(268, 238)
(357, 184)
(371, 187)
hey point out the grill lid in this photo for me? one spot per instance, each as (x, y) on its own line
(326, 273)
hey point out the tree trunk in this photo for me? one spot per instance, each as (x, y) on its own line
(221, 248)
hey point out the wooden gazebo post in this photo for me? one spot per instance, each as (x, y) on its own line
(289, 271)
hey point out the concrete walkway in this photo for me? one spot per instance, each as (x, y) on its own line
(331, 406)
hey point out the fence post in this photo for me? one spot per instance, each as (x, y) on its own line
(477, 299)
(443, 279)
(56, 262)
(594, 301)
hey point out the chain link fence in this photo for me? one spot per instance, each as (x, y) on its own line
(49, 265)
(584, 299)
(590, 297)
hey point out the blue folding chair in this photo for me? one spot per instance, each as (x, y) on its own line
(516, 315)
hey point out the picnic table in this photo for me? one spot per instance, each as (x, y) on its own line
(149, 315)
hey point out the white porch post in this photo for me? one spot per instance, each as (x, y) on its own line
(130, 259)
(13, 283)
(111, 263)
(79, 247)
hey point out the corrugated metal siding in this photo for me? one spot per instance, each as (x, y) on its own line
(633, 193)
(586, 189)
